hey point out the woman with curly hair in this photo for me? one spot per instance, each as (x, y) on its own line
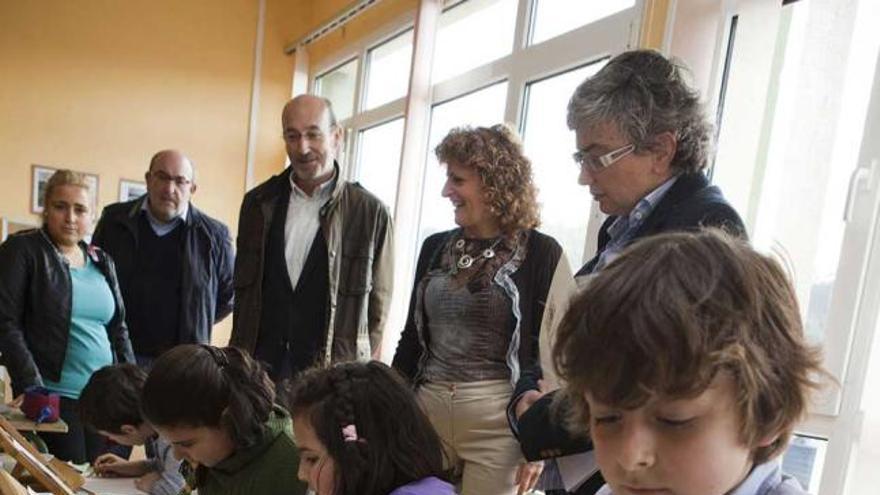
(481, 297)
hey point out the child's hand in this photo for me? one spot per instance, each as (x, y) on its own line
(113, 465)
(527, 476)
(145, 483)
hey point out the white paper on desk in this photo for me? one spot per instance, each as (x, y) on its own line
(111, 486)
(575, 469)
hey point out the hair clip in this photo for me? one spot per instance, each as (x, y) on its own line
(349, 433)
(218, 355)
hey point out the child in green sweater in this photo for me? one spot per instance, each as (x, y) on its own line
(216, 407)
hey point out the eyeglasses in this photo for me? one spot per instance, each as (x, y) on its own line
(180, 181)
(597, 163)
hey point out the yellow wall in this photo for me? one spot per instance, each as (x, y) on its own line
(285, 21)
(99, 86)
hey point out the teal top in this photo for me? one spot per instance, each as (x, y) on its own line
(88, 346)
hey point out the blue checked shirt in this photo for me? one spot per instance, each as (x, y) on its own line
(624, 228)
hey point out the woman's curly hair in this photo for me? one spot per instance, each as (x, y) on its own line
(497, 155)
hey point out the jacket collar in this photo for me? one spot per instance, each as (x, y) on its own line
(90, 250)
(683, 190)
(279, 423)
(280, 184)
(131, 216)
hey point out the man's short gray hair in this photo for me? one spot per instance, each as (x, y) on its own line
(645, 94)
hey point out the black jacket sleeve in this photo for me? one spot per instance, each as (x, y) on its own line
(542, 434)
(409, 348)
(16, 269)
(224, 265)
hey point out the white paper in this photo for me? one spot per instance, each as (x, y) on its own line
(575, 469)
(112, 486)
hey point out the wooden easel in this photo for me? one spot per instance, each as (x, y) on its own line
(53, 475)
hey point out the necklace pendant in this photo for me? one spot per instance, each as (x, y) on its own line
(465, 261)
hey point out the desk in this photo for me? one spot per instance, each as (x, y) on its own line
(21, 423)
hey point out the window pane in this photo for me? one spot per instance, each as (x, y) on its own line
(471, 34)
(338, 86)
(804, 459)
(554, 17)
(565, 205)
(812, 150)
(481, 108)
(379, 160)
(388, 70)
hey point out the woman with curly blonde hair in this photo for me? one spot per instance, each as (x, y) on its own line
(480, 300)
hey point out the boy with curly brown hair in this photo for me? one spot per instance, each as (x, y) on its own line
(686, 362)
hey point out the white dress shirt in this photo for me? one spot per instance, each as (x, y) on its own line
(302, 224)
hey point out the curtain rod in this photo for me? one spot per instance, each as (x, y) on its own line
(337, 22)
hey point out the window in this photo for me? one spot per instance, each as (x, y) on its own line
(471, 34)
(379, 160)
(798, 156)
(338, 86)
(388, 70)
(806, 167)
(565, 205)
(554, 17)
(804, 459)
(480, 108)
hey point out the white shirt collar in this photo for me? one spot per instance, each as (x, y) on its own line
(323, 191)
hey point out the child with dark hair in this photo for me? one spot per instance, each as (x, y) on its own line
(362, 432)
(216, 407)
(685, 360)
(111, 404)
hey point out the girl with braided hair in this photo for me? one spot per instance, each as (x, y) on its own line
(216, 407)
(361, 432)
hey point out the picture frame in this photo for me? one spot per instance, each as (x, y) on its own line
(40, 177)
(131, 189)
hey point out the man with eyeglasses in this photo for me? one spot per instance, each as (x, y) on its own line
(314, 270)
(643, 142)
(174, 262)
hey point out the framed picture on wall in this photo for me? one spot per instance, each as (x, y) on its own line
(40, 177)
(131, 189)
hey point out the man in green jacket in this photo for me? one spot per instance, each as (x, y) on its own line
(314, 267)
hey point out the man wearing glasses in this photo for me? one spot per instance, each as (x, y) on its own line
(174, 262)
(643, 142)
(314, 269)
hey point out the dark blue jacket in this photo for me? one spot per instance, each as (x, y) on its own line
(692, 202)
(206, 293)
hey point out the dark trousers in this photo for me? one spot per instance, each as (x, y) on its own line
(79, 444)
